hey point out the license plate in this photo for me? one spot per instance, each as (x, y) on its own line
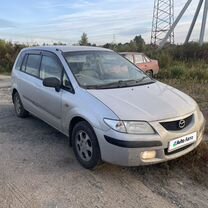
(182, 141)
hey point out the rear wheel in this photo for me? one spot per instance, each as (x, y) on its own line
(85, 145)
(19, 109)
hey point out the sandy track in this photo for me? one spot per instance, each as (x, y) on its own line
(5, 81)
(38, 169)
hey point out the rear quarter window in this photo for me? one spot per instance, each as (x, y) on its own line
(19, 61)
(23, 66)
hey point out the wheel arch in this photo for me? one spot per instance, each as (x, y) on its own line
(14, 90)
(150, 71)
(72, 123)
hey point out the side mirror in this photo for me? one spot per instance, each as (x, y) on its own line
(52, 82)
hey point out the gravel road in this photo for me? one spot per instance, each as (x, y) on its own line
(39, 170)
(5, 81)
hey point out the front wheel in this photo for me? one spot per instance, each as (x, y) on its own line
(19, 108)
(85, 145)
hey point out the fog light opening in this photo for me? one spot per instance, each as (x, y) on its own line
(148, 155)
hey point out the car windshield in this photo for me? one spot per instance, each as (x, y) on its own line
(104, 69)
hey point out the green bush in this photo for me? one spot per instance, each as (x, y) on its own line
(8, 54)
(164, 74)
(198, 74)
(164, 60)
(185, 70)
(177, 72)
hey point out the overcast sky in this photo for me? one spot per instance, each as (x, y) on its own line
(103, 20)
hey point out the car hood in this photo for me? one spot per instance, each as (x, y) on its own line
(150, 102)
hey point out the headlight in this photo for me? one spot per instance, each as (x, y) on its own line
(115, 125)
(138, 127)
(131, 127)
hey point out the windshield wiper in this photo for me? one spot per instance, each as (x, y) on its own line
(119, 84)
(135, 82)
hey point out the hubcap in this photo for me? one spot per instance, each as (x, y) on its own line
(83, 145)
(17, 104)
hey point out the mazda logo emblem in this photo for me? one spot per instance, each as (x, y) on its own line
(181, 124)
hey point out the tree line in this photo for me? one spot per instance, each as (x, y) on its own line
(190, 52)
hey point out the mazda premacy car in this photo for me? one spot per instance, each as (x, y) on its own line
(110, 110)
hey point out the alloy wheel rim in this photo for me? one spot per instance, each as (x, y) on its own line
(83, 145)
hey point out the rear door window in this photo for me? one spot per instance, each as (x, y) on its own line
(33, 64)
(50, 67)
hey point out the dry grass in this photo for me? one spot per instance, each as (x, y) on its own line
(196, 162)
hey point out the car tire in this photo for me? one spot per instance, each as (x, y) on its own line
(85, 145)
(18, 106)
(150, 73)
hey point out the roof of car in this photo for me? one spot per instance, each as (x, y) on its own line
(67, 48)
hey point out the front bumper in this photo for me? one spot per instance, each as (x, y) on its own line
(125, 149)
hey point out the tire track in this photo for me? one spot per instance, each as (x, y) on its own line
(23, 200)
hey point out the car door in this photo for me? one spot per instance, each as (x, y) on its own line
(29, 81)
(147, 63)
(49, 101)
(69, 102)
(139, 61)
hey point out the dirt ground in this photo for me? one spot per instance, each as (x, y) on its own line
(39, 170)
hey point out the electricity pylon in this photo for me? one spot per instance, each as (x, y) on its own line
(163, 18)
(203, 24)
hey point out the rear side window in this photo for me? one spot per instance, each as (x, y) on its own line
(33, 64)
(50, 67)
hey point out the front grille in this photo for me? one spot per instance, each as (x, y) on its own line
(175, 125)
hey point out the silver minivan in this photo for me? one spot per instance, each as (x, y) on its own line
(110, 110)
